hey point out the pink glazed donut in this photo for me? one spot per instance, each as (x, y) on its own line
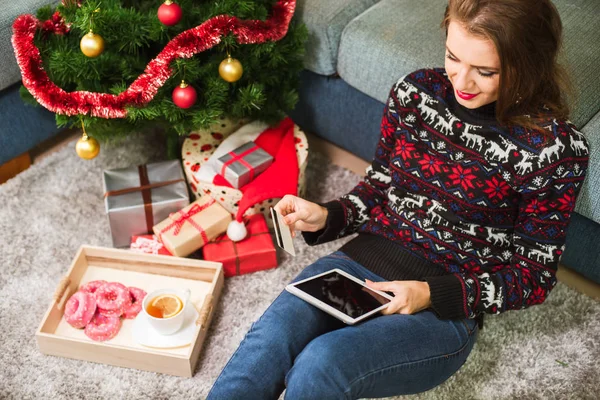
(92, 286)
(112, 299)
(80, 309)
(137, 296)
(103, 327)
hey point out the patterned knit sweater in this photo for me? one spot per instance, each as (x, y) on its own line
(478, 210)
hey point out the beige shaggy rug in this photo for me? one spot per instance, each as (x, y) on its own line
(550, 351)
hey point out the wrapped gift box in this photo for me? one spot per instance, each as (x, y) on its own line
(200, 145)
(243, 164)
(255, 253)
(189, 229)
(148, 244)
(138, 197)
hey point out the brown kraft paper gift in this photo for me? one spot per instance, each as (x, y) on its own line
(187, 230)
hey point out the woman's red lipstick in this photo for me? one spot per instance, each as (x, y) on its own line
(466, 96)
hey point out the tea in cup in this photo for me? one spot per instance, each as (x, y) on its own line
(165, 309)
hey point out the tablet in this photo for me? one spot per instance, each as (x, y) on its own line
(341, 295)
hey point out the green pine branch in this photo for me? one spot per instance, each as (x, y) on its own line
(133, 36)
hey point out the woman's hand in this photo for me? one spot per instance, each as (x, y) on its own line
(410, 297)
(300, 214)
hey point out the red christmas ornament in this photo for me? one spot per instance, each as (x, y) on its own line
(184, 96)
(169, 13)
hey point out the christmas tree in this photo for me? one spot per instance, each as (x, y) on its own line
(118, 67)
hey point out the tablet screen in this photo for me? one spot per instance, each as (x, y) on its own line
(343, 294)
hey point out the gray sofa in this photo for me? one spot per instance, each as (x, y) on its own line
(22, 126)
(359, 48)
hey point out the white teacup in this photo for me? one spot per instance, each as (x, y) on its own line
(167, 326)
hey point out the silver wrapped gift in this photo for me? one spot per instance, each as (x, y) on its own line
(240, 166)
(139, 197)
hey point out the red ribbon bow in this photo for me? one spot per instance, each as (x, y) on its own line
(240, 158)
(180, 218)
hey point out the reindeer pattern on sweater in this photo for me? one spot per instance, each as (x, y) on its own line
(490, 204)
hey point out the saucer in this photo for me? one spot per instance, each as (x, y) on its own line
(144, 334)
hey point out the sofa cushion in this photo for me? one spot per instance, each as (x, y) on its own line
(396, 37)
(390, 40)
(583, 236)
(9, 70)
(325, 21)
(581, 54)
(22, 126)
(588, 202)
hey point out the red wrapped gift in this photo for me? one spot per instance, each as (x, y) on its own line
(255, 253)
(149, 244)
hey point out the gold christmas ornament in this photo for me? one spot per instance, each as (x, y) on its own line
(92, 45)
(231, 69)
(87, 147)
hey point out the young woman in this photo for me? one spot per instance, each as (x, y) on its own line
(464, 211)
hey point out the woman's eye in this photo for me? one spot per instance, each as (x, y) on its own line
(486, 74)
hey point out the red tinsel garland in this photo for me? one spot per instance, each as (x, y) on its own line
(56, 25)
(145, 87)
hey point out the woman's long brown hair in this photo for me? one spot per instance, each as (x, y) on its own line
(527, 34)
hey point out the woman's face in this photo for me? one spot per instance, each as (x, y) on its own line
(473, 66)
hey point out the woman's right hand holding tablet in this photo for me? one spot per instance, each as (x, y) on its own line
(302, 215)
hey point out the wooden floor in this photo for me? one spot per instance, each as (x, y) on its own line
(14, 167)
(344, 159)
(24, 161)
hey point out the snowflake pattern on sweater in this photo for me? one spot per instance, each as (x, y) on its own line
(489, 204)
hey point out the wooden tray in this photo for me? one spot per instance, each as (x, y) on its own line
(148, 272)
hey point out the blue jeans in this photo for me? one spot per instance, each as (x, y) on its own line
(312, 355)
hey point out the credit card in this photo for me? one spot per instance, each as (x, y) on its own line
(283, 233)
